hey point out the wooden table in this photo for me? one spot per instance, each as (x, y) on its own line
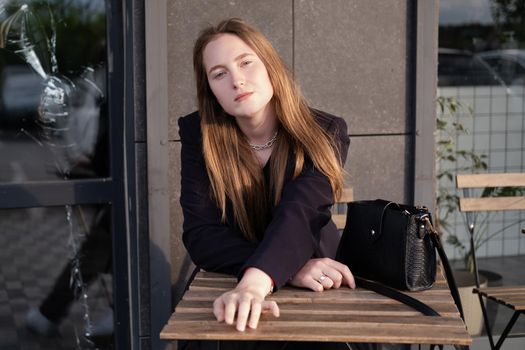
(337, 315)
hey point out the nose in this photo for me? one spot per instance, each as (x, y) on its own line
(238, 80)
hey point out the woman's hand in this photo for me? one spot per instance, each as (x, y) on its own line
(321, 274)
(246, 300)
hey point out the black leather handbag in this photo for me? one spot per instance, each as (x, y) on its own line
(389, 243)
(391, 247)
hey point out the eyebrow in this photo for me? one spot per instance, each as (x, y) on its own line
(238, 58)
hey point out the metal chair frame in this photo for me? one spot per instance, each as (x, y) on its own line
(490, 180)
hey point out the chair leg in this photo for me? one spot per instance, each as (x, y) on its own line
(507, 329)
(486, 321)
(471, 223)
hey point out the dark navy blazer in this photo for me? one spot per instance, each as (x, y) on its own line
(300, 227)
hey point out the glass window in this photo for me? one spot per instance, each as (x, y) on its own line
(53, 115)
(481, 65)
(56, 275)
(56, 278)
(509, 67)
(457, 68)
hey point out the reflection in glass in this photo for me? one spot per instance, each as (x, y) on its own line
(481, 64)
(508, 64)
(461, 68)
(53, 125)
(53, 122)
(56, 277)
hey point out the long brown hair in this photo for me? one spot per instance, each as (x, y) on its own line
(234, 172)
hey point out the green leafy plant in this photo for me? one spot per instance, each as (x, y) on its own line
(449, 159)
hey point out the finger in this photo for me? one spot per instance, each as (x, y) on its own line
(242, 314)
(334, 275)
(313, 284)
(218, 309)
(270, 305)
(325, 281)
(229, 311)
(255, 314)
(348, 278)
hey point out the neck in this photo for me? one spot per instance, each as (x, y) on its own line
(259, 129)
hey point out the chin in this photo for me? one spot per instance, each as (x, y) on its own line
(245, 113)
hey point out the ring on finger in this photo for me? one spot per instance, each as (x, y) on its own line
(322, 278)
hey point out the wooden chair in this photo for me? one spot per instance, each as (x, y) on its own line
(339, 209)
(512, 296)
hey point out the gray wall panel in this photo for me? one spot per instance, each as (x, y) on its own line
(426, 81)
(187, 18)
(350, 57)
(376, 166)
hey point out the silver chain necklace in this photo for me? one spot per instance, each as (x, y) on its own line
(265, 145)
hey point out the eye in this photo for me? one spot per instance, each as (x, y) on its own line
(246, 62)
(218, 75)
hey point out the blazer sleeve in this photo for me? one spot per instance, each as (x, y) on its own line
(212, 244)
(292, 237)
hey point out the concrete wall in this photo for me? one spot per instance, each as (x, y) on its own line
(350, 58)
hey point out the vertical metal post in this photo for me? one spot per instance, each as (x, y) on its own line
(123, 333)
(423, 98)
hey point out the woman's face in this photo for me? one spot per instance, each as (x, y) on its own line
(238, 78)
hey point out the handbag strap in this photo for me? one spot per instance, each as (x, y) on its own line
(396, 295)
(383, 215)
(401, 297)
(453, 287)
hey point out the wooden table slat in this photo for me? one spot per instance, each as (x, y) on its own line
(335, 296)
(209, 284)
(288, 317)
(369, 308)
(349, 332)
(511, 296)
(515, 304)
(506, 289)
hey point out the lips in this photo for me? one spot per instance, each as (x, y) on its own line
(243, 96)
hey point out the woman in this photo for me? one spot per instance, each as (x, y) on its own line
(260, 171)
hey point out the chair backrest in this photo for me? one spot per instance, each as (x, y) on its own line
(339, 211)
(471, 204)
(471, 181)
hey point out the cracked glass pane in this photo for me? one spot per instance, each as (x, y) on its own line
(55, 262)
(53, 115)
